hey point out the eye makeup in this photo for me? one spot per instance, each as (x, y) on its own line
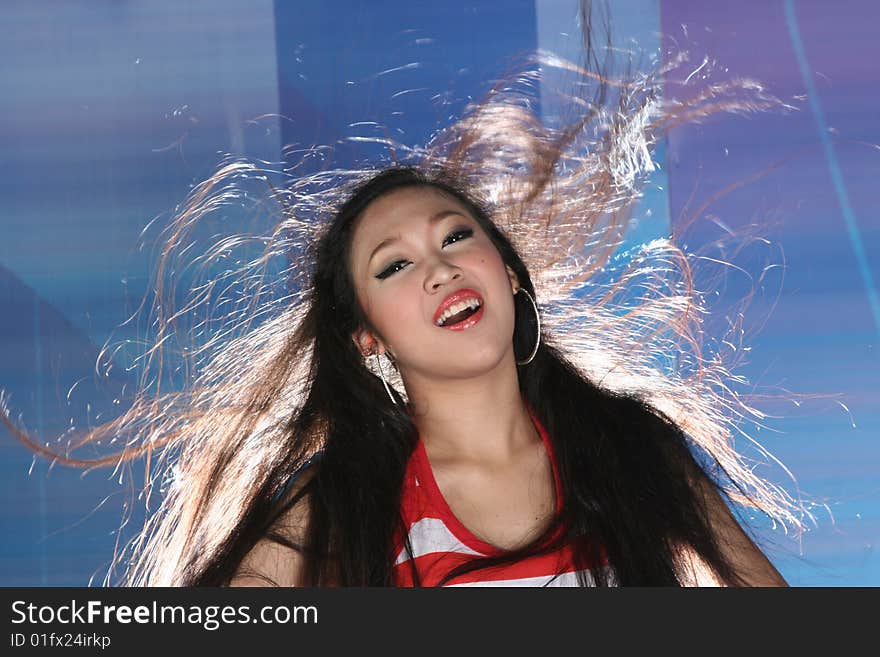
(453, 237)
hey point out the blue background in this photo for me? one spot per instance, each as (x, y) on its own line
(111, 112)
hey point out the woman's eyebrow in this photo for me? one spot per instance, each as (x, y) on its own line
(388, 241)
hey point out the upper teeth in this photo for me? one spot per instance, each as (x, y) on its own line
(457, 307)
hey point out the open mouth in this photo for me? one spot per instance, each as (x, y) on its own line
(460, 316)
(459, 310)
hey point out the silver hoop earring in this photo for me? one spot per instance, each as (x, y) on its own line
(382, 376)
(538, 320)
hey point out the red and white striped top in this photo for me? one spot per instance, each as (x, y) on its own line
(440, 542)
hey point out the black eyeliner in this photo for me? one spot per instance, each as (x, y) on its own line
(465, 232)
(385, 273)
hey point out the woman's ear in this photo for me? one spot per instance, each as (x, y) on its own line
(514, 281)
(364, 341)
(367, 343)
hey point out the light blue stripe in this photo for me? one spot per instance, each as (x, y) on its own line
(849, 216)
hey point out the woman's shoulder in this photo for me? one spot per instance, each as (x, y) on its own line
(277, 557)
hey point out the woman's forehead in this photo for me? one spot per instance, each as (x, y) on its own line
(401, 206)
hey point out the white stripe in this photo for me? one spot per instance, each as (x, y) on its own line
(432, 535)
(565, 579)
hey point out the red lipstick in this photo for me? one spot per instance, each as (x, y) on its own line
(458, 296)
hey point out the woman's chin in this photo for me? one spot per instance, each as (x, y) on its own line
(471, 365)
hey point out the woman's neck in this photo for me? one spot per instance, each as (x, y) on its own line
(478, 420)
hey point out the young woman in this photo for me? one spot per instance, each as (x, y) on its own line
(512, 460)
(452, 378)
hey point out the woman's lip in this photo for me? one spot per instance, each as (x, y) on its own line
(466, 323)
(455, 297)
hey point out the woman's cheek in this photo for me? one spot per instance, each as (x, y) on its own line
(397, 309)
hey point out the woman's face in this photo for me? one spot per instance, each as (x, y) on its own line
(420, 264)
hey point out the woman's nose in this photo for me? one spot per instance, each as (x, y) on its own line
(441, 274)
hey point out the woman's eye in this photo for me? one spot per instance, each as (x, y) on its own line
(391, 269)
(457, 235)
(453, 237)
